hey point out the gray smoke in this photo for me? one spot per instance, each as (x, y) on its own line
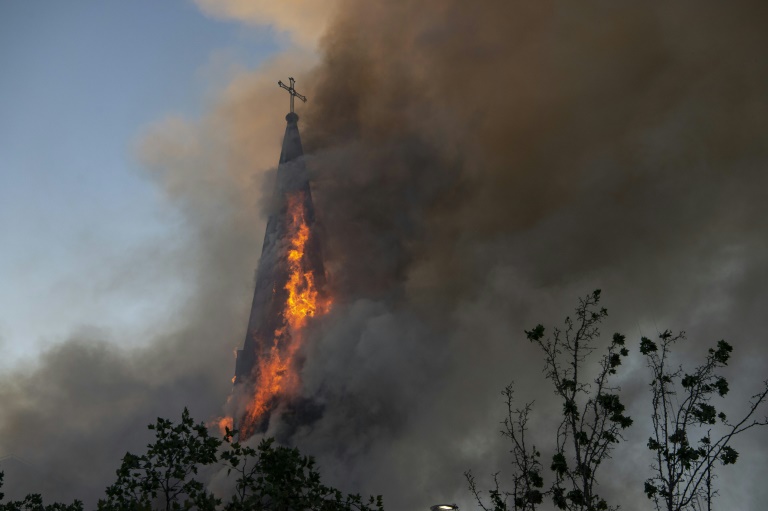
(475, 170)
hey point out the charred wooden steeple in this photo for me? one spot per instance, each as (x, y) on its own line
(271, 335)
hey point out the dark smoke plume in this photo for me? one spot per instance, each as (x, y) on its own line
(476, 167)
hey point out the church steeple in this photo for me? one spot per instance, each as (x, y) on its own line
(290, 282)
(291, 170)
(291, 140)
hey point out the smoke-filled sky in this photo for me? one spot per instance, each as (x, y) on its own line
(476, 167)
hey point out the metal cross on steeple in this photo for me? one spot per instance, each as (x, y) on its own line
(292, 91)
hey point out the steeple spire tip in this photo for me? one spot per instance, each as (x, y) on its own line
(292, 91)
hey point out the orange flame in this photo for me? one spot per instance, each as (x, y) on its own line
(222, 423)
(277, 372)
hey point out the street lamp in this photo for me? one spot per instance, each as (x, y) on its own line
(444, 507)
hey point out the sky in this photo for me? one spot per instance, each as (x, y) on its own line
(82, 80)
(474, 171)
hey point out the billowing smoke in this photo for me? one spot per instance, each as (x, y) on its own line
(476, 167)
(304, 21)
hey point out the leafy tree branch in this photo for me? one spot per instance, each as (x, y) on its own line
(683, 456)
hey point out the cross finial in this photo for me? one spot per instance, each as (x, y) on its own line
(292, 91)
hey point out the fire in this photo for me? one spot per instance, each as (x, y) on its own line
(277, 371)
(223, 423)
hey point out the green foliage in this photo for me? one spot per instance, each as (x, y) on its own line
(682, 409)
(269, 478)
(273, 477)
(647, 346)
(728, 455)
(613, 407)
(721, 354)
(559, 464)
(164, 476)
(34, 502)
(527, 480)
(593, 414)
(591, 424)
(536, 334)
(691, 434)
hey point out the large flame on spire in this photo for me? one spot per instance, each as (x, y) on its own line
(276, 374)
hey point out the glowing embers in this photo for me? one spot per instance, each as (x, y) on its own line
(277, 372)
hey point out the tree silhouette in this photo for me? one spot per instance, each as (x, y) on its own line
(165, 474)
(592, 418)
(34, 502)
(275, 478)
(527, 481)
(689, 433)
(269, 477)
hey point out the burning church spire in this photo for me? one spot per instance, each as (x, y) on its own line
(290, 282)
